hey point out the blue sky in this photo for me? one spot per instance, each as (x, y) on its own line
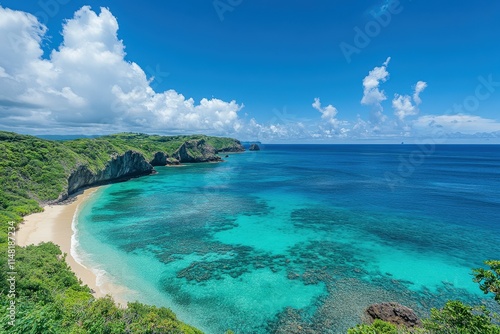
(260, 65)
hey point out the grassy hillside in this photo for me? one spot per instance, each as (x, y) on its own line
(34, 170)
(49, 298)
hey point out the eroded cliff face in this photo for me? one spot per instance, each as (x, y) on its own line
(236, 147)
(160, 159)
(122, 166)
(132, 164)
(196, 151)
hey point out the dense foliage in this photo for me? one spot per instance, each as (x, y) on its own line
(48, 296)
(489, 279)
(34, 170)
(455, 317)
(378, 327)
(50, 299)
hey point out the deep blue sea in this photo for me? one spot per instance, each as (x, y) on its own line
(300, 235)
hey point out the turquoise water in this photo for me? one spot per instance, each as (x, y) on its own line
(299, 235)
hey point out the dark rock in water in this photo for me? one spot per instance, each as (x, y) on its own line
(394, 313)
(254, 147)
(196, 151)
(227, 156)
(172, 161)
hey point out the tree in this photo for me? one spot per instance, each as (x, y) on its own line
(489, 279)
(457, 317)
(377, 327)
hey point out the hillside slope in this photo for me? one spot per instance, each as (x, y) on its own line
(34, 172)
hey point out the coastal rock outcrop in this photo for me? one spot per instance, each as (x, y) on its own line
(196, 151)
(160, 159)
(132, 163)
(172, 162)
(120, 166)
(49, 171)
(394, 313)
(235, 147)
(254, 147)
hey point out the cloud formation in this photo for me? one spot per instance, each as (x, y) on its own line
(402, 104)
(372, 95)
(87, 85)
(328, 113)
(459, 123)
(419, 88)
(88, 82)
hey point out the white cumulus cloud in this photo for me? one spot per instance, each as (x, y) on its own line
(403, 105)
(372, 95)
(419, 88)
(330, 126)
(88, 82)
(328, 113)
(87, 85)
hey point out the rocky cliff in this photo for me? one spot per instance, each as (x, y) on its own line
(127, 165)
(254, 147)
(196, 151)
(235, 147)
(160, 159)
(133, 163)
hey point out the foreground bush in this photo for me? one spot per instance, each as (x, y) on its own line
(455, 317)
(50, 299)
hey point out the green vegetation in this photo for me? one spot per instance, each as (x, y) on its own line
(455, 317)
(489, 279)
(34, 170)
(49, 298)
(379, 327)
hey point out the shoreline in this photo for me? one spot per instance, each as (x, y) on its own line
(55, 224)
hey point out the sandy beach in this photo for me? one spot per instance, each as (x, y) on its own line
(54, 224)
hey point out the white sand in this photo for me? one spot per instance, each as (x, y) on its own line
(54, 224)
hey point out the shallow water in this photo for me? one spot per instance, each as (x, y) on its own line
(299, 235)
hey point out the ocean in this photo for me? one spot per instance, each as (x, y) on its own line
(299, 235)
